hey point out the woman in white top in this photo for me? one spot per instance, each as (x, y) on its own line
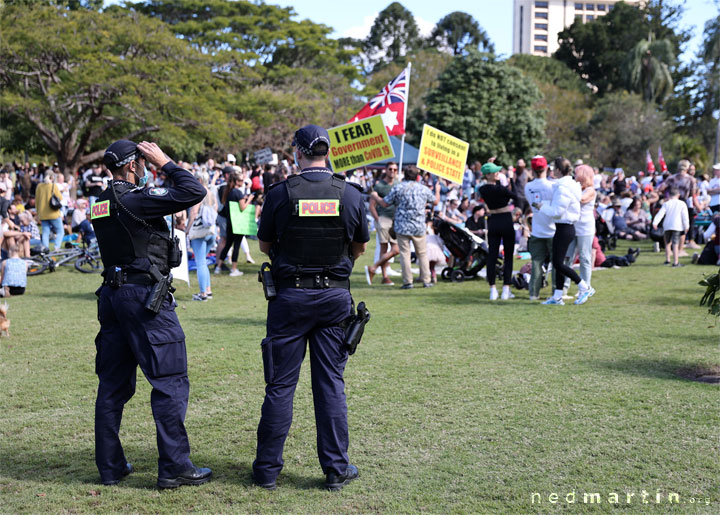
(564, 208)
(585, 225)
(202, 232)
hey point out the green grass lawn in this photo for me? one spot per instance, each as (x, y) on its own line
(456, 404)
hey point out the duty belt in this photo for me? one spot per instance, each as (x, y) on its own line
(116, 278)
(314, 282)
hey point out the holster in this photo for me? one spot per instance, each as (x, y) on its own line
(356, 327)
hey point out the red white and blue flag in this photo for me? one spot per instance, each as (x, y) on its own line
(650, 166)
(661, 160)
(390, 104)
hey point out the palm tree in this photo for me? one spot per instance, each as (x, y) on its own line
(647, 69)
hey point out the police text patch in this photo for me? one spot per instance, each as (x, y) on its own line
(318, 208)
(100, 209)
(158, 192)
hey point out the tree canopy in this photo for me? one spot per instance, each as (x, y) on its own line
(598, 51)
(393, 34)
(489, 104)
(458, 31)
(81, 79)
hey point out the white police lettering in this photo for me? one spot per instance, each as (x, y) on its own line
(158, 192)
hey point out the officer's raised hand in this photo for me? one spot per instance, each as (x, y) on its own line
(153, 154)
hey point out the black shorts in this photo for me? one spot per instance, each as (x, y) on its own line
(16, 290)
(672, 237)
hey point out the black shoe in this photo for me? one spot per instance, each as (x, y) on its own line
(407, 286)
(128, 470)
(335, 482)
(194, 476)
(678, 265)
(267, 486)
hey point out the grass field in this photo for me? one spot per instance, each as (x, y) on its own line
(456, 404)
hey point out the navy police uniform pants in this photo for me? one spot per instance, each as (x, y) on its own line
(131, 335)
(297, 317)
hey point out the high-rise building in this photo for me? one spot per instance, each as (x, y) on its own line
(536, 23)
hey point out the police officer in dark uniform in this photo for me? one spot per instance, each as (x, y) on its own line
(313, 226)
(138, 324)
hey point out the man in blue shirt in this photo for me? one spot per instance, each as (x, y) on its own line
(410, 198)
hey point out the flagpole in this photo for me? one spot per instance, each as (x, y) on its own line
(407, 101)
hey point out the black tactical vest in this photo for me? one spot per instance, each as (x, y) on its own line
(315, 235)
(122, 239)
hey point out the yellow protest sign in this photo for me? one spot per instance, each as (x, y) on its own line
(442, 154)
(358, 144)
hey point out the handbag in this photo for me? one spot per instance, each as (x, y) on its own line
(55, 203)
(201, 228)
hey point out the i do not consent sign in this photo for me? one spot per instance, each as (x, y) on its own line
(442, 154)
(358, 144)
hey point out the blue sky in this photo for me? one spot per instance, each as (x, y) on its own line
(495, 16)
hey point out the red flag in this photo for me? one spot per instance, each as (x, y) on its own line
(650, 166)
(390, 104)
(661, 160)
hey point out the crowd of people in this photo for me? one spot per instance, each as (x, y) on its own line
(559, 213)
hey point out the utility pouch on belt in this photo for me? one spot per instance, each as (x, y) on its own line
(159, 290)
(356, 328)
(265, 277)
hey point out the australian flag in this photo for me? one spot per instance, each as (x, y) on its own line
(390, 104)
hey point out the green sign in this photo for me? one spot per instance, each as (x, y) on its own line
(243, 222)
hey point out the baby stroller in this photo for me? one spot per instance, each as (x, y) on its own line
(605, 234)
(470, 252)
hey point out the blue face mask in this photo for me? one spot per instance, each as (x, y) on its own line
(142, 181)
(296, 161)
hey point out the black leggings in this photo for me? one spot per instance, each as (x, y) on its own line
(500, 227)
(231, 240)
(564, 234)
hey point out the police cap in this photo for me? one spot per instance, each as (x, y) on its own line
(307, 139)
(120, 153)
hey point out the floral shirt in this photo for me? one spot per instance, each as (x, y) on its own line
(410, 198)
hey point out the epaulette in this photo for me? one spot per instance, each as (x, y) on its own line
(354, 185)
(275, 184)
(339, 176)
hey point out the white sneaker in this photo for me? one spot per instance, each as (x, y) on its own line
(507, 294)
(656, 247)
(218, 269)
(533, 297)
(493, 294)
(235, 273)
(249, 259)
(393, 273)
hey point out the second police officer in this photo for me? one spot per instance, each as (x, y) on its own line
(313, 226)
(138, 324)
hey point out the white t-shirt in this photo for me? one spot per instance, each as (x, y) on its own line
(713, 185)
(540, 191)
(585, 226)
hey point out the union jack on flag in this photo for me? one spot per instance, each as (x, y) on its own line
(390, 104)
(394, 91)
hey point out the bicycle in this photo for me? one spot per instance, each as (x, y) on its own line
(85, 259)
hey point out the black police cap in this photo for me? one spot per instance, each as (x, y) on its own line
(120, 153)
(307, 138)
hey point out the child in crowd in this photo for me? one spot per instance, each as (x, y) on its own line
(13, 274)
(675, 222)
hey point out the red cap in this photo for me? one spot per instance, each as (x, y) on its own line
(538, 163)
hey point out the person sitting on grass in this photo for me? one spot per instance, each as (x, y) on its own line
(711, 253)
(611, 261)
(675, 221)
(13, 274)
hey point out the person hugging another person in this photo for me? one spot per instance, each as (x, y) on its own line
(500, 228)
(564, 209)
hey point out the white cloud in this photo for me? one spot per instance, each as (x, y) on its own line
(362, 30)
